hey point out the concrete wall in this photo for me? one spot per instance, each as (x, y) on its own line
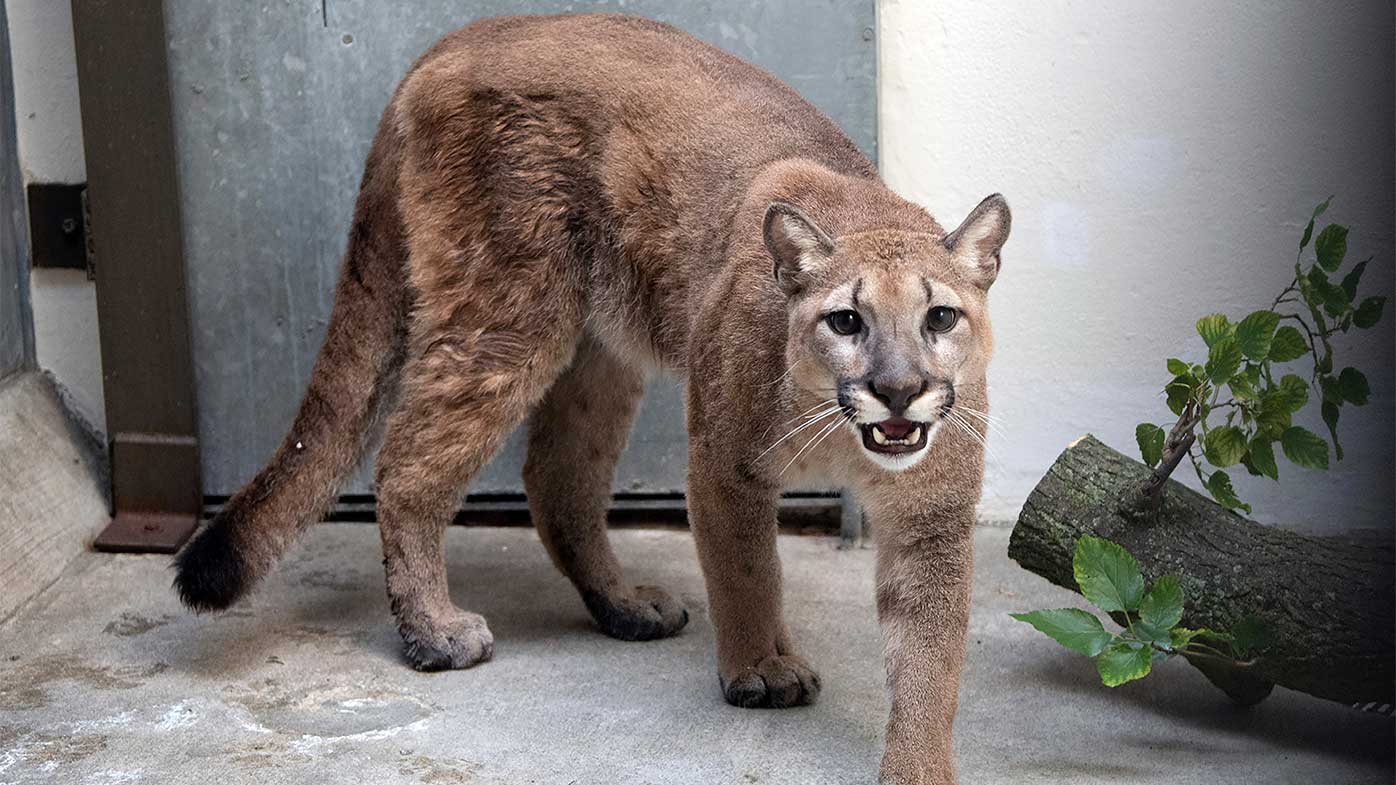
(1161, 160)
(49, 129)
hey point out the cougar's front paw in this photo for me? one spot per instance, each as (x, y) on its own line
(642, 614)
(457, 641)
(776, 682)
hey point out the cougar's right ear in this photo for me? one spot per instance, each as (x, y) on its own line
(796, 244)
(978, 240)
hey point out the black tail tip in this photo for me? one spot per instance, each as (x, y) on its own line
(209, 574)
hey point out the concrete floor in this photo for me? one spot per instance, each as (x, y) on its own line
(104, 679)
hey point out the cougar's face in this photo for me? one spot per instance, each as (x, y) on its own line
(883, 328)
(892, 342)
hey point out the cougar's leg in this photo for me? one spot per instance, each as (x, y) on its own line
(575, 438)
(734, 527)
(732, 503)
(497, 303)
(460, 399)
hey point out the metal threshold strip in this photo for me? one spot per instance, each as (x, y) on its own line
(806, 511)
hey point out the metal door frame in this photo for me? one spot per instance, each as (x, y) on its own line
(137, 241)
(17, 331)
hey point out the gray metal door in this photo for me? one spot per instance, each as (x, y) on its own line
(16, 334)
(275, 104)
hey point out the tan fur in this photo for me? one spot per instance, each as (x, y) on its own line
(554, 205)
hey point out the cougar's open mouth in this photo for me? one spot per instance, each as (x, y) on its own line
(894, 436)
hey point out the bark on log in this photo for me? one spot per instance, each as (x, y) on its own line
(1326, 601)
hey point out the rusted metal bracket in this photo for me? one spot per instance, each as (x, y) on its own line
(57, 230)
(157, 508)
(142, 305)
(136, 532)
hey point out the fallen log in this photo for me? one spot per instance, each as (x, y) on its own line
(1327, 602)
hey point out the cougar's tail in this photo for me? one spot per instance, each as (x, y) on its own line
(356, 368)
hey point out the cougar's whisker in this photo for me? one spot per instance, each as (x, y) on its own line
(818, 437)
(802, 426)
(994, 425)
(783, 376)
(964, 425)
(805, 413)
(982, 415)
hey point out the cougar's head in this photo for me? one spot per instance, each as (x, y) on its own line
(885, 324)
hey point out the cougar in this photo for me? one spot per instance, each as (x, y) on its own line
(555, 206)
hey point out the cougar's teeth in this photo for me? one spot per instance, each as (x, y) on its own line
(878, 435)
(914, 436)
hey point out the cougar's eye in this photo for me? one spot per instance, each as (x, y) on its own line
(941, 318)
(844, 322)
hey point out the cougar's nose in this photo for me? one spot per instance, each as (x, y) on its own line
(896, 394)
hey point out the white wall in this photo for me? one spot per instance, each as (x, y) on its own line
(48, 120)
(48, 123)
(1161, 160)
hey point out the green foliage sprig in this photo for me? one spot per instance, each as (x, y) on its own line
(1243, 358)
(1108, 576)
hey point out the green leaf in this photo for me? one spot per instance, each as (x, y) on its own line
(1177, 367)
(1325, 361)
(1124, 662)
(1304, 448)
(1318, 209)
(1153, 636)
(1213, 328)
(1249, 636)
(1255, 332)
(1309, 230)
(1150, 438)
(1224, 446)
(1250, 465)
(1331, 392)
(1331, 246)
(1291, 393)
(1351, 280)
(1369, 312)
(1219, 485)
(1162, 606)
(1242, 387)
(1273, 417)
(1215, 636)
(1107, 575)
(1223, 360)
(1262, 454)
(1252, 373)
(1288, 344)
(1180, 637)
(1324, 292)
(1073, 628)
(1352, 384)
(1179, 392)
(1330, 418)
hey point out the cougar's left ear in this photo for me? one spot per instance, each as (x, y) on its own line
(975, 245)
(796, 244)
